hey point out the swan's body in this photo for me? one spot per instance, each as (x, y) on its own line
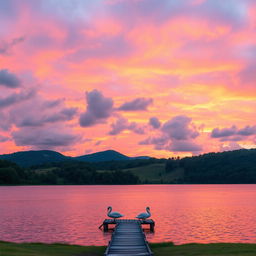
(144, 215)
(114, 215)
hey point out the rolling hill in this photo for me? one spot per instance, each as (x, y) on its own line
(103, 156)
(233, 167)
(30, 158)
(33, 157)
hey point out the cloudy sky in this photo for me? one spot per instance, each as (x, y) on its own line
(143, 77)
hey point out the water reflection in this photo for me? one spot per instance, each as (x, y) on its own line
(183, 213)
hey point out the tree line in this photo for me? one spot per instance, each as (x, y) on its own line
(63, 173)
(231, 167)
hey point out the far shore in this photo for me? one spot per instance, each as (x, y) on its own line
(159, 249)
(140, 184)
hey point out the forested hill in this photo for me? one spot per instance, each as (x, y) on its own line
(237, 166)
(234, 167)
(62, 173)
(39, 157)
(34, 157)
(107, 155)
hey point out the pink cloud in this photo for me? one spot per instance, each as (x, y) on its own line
(193, 59)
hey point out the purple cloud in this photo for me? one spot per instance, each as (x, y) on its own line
(99, 108)
(184, 146)
(177, 134)
(247, 131)
(248, 74)
(233, 133)
(97, 143)
(5, 47)
(122, 124)
(9, 79)
(139, 104)
(230, 146)
(5, 123)
(4, 138)
(65, 114)
(40, 112)
(16, 98)
(159, 142)
(104, 47)
(45, 138)
(136, 128)
(225, 132)
(154, 122)
(160, 12)
(52, 103)
(179, 128)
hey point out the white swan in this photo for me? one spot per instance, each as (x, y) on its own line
(114, 215)
(144, 215)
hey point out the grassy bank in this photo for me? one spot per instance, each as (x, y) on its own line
(156, 174)
(163, 249)
(37, 249)
(220, 249)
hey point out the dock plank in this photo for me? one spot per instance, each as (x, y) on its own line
(128, 239)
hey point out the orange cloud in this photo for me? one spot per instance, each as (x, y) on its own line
(193, 58)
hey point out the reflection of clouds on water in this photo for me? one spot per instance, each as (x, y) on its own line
(183, 213)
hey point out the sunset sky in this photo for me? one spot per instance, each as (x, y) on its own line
(144, 77)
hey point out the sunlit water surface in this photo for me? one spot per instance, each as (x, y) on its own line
(183, 213)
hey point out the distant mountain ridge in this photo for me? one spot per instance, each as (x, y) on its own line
(229, 167)
(34, 157)
(37, 157)
(103, 156)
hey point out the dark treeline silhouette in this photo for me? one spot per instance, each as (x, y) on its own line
(40, 157)
(172, 164)
(63, 173)
(232, 167)
(106, 166)
(127, 164)
(10, 173)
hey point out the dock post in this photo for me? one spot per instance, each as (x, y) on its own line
(152, 226)
(105, 227)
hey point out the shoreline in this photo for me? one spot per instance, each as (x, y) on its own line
(159, 249)
(141, 184)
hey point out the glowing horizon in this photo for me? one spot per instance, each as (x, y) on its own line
(140, 77)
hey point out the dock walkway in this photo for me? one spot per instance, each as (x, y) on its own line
(107, 222)
(128, 239)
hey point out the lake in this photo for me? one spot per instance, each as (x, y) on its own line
(183, 213)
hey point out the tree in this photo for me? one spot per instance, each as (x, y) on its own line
(8, 175)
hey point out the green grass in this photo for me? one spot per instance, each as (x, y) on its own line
(161, 249)
(220, 249)
(152, 173)
(45, 170)
(37, 249)
(155, 173)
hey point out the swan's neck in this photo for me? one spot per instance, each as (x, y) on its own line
(110, 209)
(148, 211)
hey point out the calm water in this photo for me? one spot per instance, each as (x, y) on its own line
(183, 213)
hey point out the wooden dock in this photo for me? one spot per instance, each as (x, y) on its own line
(128, 239)
(107, 222)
